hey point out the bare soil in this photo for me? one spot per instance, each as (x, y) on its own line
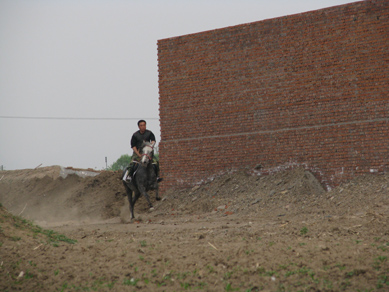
(237, 232)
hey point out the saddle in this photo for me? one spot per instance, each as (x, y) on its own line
(136, 166)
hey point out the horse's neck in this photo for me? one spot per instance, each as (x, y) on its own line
(147, 166)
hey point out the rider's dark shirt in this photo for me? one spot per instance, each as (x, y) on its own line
(138, 138)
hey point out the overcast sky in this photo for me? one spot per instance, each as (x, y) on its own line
(78, 64)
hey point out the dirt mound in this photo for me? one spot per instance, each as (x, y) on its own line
(238, 232)
(241, 192)
(294, 191)
(52, 195)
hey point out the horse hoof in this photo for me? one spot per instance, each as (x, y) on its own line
(158, 198)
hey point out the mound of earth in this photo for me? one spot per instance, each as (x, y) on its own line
(238, 232)
(54, 195)
(289, 192)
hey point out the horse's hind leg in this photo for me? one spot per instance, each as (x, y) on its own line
(156, 194)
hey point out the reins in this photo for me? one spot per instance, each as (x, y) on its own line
(147, 156)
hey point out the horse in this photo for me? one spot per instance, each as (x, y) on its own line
(144, 179)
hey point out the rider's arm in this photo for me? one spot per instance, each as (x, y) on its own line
(136, 151)
(152, 138)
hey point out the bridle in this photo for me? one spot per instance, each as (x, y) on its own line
(147, 155)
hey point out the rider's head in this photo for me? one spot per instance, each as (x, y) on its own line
(142, 125)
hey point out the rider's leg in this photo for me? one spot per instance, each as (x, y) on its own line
(156, 169)
(130, 169)
(129, 172)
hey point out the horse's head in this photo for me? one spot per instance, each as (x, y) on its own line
(147, 153)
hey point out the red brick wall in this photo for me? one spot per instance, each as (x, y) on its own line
(303, 90)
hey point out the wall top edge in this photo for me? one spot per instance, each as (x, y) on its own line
(275, 19)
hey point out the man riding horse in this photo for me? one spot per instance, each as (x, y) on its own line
(136, 142)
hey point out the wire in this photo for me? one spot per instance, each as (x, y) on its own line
(73, 118)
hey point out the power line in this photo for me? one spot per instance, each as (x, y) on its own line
(74, 118)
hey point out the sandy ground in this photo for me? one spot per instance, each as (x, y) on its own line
(281, 232)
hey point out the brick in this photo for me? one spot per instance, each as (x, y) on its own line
(308, 90)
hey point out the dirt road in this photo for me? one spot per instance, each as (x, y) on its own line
(281, 232)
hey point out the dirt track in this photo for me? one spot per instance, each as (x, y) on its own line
(237, 233)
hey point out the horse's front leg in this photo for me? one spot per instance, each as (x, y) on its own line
(142, 190)
(132, 204)
(130, 200)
